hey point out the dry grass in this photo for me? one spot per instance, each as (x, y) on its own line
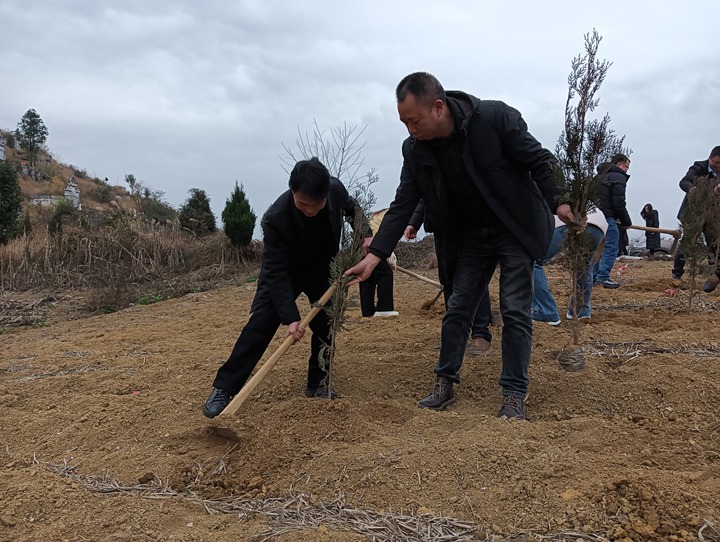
(299, 511)
(125, 252)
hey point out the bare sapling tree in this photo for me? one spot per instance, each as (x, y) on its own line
(342, 155)
(700, 225)
(586, 142)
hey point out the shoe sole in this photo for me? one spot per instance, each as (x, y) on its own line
(478, 352)
(441, 407)
(209, 414)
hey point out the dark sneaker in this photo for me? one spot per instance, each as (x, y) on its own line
(216, 403)
(711, 283)
(513, 408)
(478, 346)
(441, 395)
(320, 391)
(610, 284)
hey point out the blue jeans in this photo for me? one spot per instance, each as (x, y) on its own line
(543, 304)
(478, 255)
(607, 260)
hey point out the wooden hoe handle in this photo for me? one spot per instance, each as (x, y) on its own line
(674, 233)
(250, 385)
(419, 277)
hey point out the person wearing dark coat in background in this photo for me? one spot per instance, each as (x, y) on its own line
(301, 235)
(624, 241)
(489, 189)
(611, 201)
(703, 168)
(480, 335)
(652, 220)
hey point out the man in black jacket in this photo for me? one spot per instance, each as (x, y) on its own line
(301, 235)
(701, 169)
(488, 190)
(611, 201)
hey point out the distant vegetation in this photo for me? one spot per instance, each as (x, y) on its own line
(122, 246)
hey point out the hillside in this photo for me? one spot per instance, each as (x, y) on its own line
(51, 179)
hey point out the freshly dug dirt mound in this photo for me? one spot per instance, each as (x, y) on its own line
(103, 438)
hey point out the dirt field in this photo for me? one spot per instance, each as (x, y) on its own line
(102, 435)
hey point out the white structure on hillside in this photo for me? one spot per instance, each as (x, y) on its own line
(2, 147)
(72, 194)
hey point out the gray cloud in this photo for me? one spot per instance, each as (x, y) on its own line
(187, 94)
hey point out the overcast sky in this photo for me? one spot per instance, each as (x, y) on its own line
(187, 94)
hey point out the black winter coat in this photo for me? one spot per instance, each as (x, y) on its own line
(508, 165)
(698, 169)
(284, 264)
(611, 193)
(652, 220)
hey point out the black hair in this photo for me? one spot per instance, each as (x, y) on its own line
(715, 152)
(424, 86)
(620, 159)
(311, 178)
(646, 214)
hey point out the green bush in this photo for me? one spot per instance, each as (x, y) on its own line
(238, 218)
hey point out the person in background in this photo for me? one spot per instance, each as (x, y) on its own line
(301, 235)
(380, 282)
(611, 201)
(480, 334)
(624, 242)
(703, 168)
(489, 189)
(652, 220)
(543, 304)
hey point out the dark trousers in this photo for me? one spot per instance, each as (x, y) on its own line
(679, 261)
(259, 331)
(380, 281)
(480, 325)
(476, 261)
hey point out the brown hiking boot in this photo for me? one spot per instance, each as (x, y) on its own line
(677, 281)
(478, 346)
(513, 408)
(441, 395)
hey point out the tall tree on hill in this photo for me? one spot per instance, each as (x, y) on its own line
(585, 143)
(238, 218)
(195, 214)
(31, 134)
(10, 202)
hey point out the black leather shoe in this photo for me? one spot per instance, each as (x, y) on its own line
(216, 403)
(441, 396)
(711, 283)
(320, 391)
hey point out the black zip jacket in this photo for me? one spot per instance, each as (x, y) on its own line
(284, 264)
(611, 193)
(508, 165)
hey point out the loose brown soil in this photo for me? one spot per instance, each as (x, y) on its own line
(103, 438)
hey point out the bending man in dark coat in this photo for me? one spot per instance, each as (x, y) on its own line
(488, 190)
(301, 235)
